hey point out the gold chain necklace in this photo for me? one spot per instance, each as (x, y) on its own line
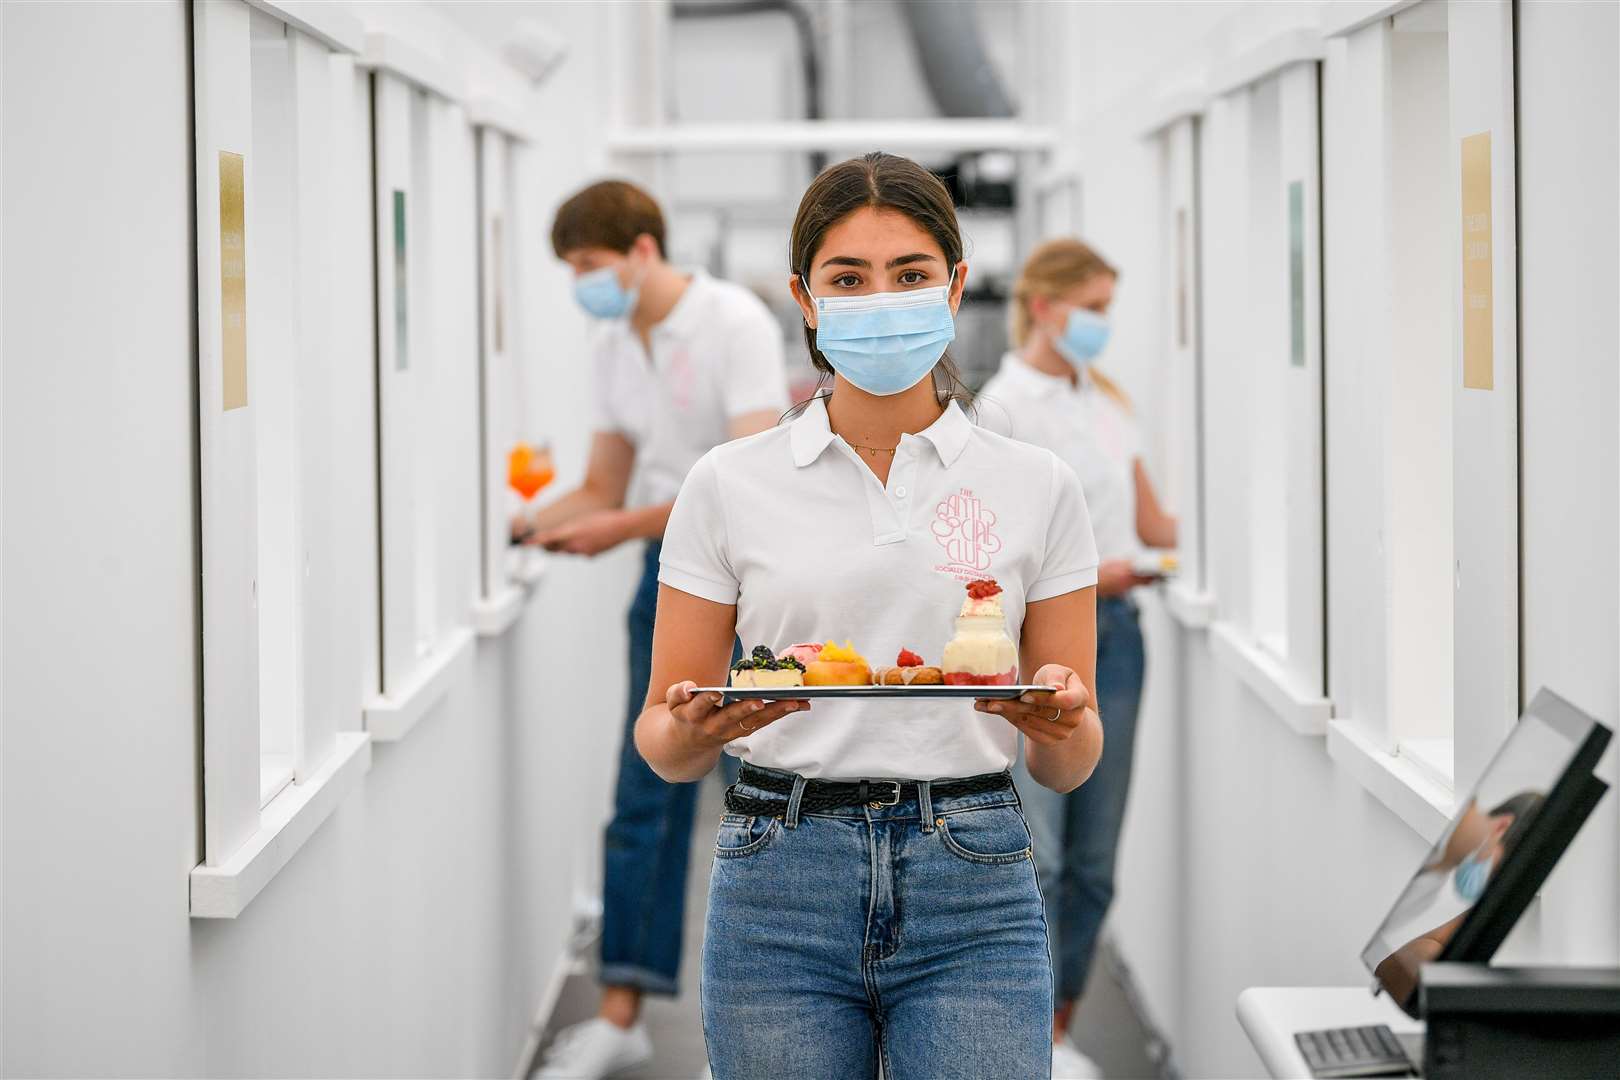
(874, 449)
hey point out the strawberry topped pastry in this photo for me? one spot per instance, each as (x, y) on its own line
(838, 665)
(908, 670)
(981, 653)
(763, 668)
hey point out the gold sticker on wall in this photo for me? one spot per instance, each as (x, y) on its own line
(232, 281)
(1477, 337)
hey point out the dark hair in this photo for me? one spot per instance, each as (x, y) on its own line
(608, 214)
(1522, 809)
(884, 182)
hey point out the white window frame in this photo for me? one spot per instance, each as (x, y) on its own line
(427, 639)
(1262, 400)
(1407, 774)
(252, 828)
(504, 587)
(1188, 596)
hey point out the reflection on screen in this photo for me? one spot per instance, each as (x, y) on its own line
(1457, 870)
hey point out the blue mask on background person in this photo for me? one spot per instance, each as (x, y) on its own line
(888, 342)
(1471, 876)
(601, 295)
(1084, 336)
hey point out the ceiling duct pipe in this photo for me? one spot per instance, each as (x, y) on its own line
(960, 76)
(809, 60)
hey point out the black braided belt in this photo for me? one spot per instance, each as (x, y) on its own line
(840, 794)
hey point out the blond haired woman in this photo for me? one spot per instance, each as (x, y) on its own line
(1050, 392)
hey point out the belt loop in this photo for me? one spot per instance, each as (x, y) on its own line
(925, 805)
(792, 818)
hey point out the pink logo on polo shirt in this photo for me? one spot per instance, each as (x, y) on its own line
(680, 377)
(965, 529)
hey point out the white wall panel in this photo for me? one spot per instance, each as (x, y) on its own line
(224, 124)
(274, 378)
(1299, 177)
(1486, 461)
(1569, 171)
(1180, 232)
(356, 641)
(316, 172)
(1229, 360)
(497, 382)
(101, 570)
(1357, 244)
(454, 405)
(400, 342)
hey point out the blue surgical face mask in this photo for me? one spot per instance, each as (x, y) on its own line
(1083, 337)
(601, 295)
(1471, 876)
(884, 343)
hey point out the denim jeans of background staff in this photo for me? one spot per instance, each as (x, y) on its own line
(648, 838)
(1077, 835)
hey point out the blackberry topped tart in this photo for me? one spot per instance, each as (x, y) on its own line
(763, 668)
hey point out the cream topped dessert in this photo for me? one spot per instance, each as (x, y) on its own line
(981, 653)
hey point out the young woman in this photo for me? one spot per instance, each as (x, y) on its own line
(873, 896)
(1054, 396)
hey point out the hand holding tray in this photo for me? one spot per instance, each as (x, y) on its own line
(892, 693)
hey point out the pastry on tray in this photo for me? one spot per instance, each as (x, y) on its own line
(838, 665)
(763, 668)
(981, 653)
(908, 670)
(806, 653)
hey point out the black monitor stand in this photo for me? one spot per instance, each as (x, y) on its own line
(1503, 1023)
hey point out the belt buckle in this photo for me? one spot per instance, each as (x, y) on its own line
(893, 800)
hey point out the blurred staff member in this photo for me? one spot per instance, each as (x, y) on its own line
(1054, 396)
(683, 363)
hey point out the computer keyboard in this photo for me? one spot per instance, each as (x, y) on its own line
(1353, 1051)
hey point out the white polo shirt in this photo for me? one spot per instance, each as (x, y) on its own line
(794, 529)
(1089, 429)
(716, 356)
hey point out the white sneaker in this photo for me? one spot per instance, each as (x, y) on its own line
(595, 1049)
(1068, 1063)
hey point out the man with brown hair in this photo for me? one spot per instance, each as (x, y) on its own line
(683, 362)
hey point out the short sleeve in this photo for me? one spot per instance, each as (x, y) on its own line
(695, 558)
(753, 376)
(1070, 559)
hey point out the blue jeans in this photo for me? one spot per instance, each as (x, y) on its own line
(649, 836)
(1077, 835)
(910, 934)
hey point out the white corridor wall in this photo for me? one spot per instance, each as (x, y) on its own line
(417, 930)
(1251, 857)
